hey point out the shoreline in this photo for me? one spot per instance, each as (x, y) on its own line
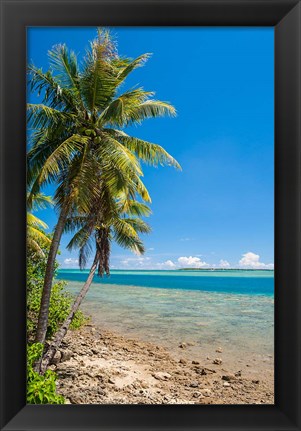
(97, 366)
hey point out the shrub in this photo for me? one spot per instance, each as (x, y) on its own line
(41, 389)
(60, 304)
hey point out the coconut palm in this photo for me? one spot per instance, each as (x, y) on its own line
(119, 222)
(78, 130)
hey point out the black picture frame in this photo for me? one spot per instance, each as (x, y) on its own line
(284, 15)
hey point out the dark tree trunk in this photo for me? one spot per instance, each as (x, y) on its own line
(65, 326)
(49, 272)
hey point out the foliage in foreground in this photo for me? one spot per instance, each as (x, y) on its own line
(41, 389)
(60, 302)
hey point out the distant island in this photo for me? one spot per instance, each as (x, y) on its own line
(225, 269)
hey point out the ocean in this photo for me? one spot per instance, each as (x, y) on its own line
(231, 310)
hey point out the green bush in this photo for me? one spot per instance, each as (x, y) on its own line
(41, 389)
(60, 301)
(60, 304)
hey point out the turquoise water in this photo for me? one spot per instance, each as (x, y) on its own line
(234, 281)
(208, 309)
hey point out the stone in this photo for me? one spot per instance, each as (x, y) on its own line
(217, 361)
(219, 350)
(255, 381)
(183, 361)
(201, 371)
(56, 358)
(207, 393)
(194, 385)
(226, 385)
(182, 345)
(111, 381)
(228, 377)
(238, 374)
(195, 362)
(160, 375)
(66, 355)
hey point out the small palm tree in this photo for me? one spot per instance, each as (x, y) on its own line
(102, 228)
(78, 135)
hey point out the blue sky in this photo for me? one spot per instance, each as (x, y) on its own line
(219, 211)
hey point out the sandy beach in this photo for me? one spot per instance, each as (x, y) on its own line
(96, 366)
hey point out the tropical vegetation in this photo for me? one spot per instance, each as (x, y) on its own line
(79, 145)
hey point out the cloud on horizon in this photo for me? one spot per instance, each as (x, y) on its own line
(192, 262)
(251, 260)
(224, 264)
(70, 261)
(168, 264)
(248, 260)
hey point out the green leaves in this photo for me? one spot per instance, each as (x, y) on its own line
(65, 64)
(40, 116)
(41, 389)
(150, 153)
(59, 159)
(119, 111)
(36, 238)
(138, 62)
(78, 143)
(98, 83)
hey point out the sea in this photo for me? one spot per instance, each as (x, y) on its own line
(228, 313)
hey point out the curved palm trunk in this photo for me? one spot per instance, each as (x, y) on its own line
(64, 328)
(49, 271)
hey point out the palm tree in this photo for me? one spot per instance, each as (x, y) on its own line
(77, 131)
(36, 238)
(102, 227)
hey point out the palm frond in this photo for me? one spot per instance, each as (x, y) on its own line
(112, 150)
(38, 201)
(53, 94)
(149, 109)
(33, 246)
(119, 110)
(34, 221)
(139, 225)
(98, 82)
(126, 236)
(133, 207)
(40, 116)
(37, 235)
(65, 64)
(61, 156)
(134, 64)
(152, 154)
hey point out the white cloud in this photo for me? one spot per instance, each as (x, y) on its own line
(192, 262)
(70, 261)
(168, 264)
(223, 264)
(151, 249)
(135, 262)
(186, 239)
(252, 261)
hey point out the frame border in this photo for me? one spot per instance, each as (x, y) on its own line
(16, 15)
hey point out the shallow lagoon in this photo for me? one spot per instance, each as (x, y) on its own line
(233, 310)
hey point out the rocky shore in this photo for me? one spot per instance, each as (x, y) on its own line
(95, 366)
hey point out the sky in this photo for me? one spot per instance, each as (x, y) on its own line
(219, 210)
